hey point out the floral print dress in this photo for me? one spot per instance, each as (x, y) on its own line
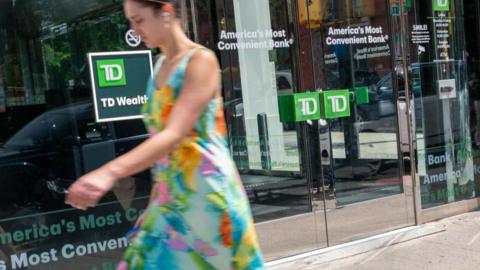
(201, 218)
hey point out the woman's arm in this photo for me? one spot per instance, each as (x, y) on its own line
(202, 82)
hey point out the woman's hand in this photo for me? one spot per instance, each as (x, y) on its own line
(90, 188)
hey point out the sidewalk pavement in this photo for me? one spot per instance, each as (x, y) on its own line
(455, 247)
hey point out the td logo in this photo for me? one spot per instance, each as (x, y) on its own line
(111, 72)
(441, 5)
(339, 103)
(309, 106)
(306, 106)
(335, 103)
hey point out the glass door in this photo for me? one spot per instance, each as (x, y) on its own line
(256, 42)
(358, 68)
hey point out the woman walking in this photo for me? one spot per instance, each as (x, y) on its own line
(198, 216)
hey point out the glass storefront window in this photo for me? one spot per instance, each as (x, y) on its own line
(49, 137)
(442, 104)
(267, 49)
(256, 46)
(262, 48)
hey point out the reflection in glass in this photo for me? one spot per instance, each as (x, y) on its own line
(264, 149)
(49, 136)
(357, 53)
(443, 105)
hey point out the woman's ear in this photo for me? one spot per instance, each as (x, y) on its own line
(167, 9)
(167, 12)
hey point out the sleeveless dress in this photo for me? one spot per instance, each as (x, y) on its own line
(201, 217)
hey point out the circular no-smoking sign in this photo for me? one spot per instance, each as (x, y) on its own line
(132, 39)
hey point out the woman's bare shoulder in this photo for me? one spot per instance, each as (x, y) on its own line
(204, 55)
(203, 60)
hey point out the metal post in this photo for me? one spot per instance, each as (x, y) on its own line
(410, 112)
(264, 141)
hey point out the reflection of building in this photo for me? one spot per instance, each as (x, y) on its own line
(275, 48)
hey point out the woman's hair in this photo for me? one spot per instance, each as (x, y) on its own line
(157, 5)
(179, 7)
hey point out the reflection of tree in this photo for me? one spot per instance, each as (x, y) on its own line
(100, 33)
(104, 33)
(65, 54)
(49, 40)
(57, 56)
(53, 57)
(31, 17)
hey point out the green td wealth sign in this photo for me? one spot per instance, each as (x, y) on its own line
(315, 105)
(119, 81)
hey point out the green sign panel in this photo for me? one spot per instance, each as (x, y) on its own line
(361, 95)
(111, 72)
(299, 107)
(335, 104)
(441, 5)
(119, 81)
(307, 106)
